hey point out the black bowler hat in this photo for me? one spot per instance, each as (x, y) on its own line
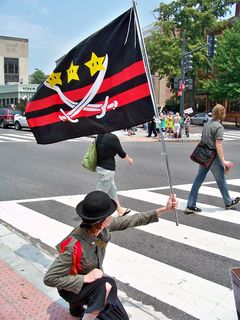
(96, 206)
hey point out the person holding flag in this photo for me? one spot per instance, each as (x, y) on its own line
(77, 271)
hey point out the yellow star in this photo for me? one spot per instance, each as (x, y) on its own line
(54, 78)
(95, 64)
(72, 72)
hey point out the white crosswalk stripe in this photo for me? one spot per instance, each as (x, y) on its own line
(199, 297)
(28, 137)
(231, 135)
(9, 137)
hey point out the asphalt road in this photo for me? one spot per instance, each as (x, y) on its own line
(29, 170)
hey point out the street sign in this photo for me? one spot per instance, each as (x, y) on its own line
(188, 110)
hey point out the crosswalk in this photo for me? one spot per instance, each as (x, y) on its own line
(27, 136)
(231, 135)
(185, 267)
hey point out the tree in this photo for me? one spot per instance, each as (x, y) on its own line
(226, 62)
(22, 102)
(38, 76)
(195, 18)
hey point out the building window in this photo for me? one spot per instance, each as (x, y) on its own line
(11, 70)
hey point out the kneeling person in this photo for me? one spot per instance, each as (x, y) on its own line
(77, 271)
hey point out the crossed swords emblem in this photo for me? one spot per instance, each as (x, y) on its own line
(84, 104)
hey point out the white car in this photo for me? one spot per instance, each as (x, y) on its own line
(20, 122)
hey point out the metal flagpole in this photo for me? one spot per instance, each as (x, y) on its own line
(148, 73)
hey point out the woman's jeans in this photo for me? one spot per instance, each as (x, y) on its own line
(217, 170)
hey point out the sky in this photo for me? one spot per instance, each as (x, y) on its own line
(53, 27)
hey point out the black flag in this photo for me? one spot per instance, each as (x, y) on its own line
(99, 86)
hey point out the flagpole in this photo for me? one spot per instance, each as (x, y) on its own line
(148, 73)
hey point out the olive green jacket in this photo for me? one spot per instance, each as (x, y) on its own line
(92, 251)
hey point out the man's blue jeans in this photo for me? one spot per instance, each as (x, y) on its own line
(217, 170)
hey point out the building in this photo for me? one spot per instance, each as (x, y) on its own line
(11, 94)
(161, 89)
(13, 60)
(14, 83)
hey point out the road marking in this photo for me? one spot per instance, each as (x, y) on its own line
(11, 139)
(210, 191)
(18, 136)
(234, 182)
(207, 210)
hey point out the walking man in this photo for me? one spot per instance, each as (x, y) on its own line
(212, 135)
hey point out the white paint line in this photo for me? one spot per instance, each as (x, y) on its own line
(11, 139)
(33, 223)
(234, 182)
(209, 191)
(207, 210)
(19, 136)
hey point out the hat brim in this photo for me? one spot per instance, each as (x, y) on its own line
(85, 215)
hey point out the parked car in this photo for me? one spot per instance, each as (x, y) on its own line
(199, 118)
(20, 122)
(7, 117)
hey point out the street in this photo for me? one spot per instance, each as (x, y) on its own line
(181, 271)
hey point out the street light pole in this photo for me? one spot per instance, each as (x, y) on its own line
(182, 72)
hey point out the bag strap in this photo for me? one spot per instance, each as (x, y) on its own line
(206, 145)
(99, 139)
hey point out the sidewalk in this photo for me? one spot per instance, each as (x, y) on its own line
(141, 136)
(23, 295)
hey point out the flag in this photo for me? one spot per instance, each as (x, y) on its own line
(99, 86)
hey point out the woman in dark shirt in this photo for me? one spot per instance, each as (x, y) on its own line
(108, 146)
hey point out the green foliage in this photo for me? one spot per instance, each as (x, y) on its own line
(21, 105)
(196, 19)
(226, 62)
(38, 76)
(172, 104)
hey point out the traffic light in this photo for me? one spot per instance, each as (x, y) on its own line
(212, 45)
(188, 83)
(175, 83)
(188, 63)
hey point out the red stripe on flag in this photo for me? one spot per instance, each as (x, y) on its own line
(123, 99)
(128, 73)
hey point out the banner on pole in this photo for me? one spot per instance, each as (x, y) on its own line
(99, 86)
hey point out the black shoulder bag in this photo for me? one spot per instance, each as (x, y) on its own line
(203, 155)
